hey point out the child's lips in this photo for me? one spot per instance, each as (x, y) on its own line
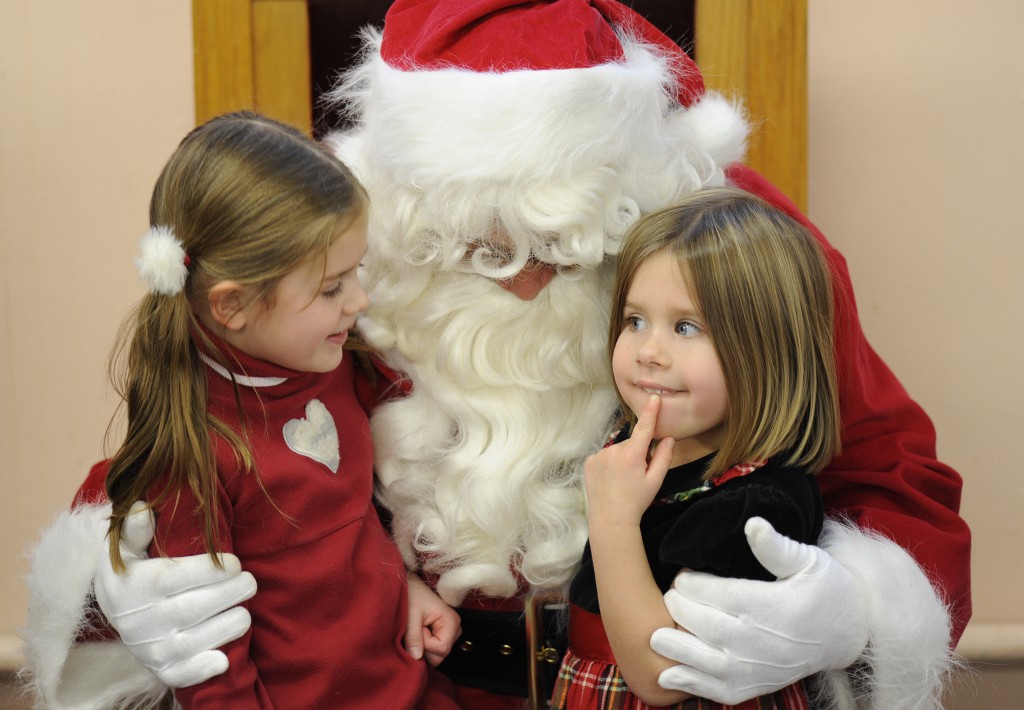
(652, 388)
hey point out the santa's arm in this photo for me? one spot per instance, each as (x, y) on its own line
(887, 478)
(64, 670)
(888, 485)
(75, 660)
(746, 638)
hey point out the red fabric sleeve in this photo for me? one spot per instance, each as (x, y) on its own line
(95, 626)
(93, 489)
(376, 382)
(887, 478)
(179, 532)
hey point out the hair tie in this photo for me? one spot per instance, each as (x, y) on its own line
(163, 265)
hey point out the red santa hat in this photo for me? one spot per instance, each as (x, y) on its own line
(500, 36)
(508, 90)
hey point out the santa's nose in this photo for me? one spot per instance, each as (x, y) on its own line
(529, 282)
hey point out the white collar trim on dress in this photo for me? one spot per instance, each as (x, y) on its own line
(243, 380)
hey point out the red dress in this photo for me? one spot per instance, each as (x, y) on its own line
(329, 618)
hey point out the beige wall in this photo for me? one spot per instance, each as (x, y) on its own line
(913, 107)
(95, 95)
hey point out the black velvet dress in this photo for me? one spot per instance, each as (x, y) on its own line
(696, 525)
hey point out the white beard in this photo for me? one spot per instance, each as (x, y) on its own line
(481, 465)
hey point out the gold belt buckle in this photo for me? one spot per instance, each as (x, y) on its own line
(539, 654)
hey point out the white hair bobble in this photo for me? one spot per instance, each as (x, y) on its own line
(163, 265)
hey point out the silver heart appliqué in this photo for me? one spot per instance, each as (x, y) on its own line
(316, 436)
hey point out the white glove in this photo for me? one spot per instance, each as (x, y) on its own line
(170, 612)
(746, 638)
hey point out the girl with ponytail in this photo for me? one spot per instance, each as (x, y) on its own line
(247, 428)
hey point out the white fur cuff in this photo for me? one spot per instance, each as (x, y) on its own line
(908, 659)
(61, 674)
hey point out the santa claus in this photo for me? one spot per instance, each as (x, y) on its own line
(507, 148)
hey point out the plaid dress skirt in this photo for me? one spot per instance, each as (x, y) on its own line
(589, 678)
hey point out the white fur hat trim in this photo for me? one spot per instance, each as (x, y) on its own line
(533, 125)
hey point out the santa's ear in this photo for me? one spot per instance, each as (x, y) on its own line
(227, 301)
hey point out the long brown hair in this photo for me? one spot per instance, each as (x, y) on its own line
(249, 199)
(764, 289)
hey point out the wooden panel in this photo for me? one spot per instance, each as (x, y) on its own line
(757, 50)
(222, 46)
(252, 54)
(281, 61)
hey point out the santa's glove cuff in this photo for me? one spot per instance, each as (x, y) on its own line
(172, 613)
(744, 638)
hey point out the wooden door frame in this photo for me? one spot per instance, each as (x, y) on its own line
(756, 50)
(252, 54)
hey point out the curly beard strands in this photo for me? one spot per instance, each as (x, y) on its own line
(481, 464)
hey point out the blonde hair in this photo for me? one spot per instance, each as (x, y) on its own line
(764, 290)
(250, 199)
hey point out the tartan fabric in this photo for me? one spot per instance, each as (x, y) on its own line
(596, 685)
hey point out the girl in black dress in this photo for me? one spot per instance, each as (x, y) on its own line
(722, 355)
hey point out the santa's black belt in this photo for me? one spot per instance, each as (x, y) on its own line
(510, 652)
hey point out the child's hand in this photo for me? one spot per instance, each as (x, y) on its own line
(620, 481)
(433, 625)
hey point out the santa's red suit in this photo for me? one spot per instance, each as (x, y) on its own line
(507, 149)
